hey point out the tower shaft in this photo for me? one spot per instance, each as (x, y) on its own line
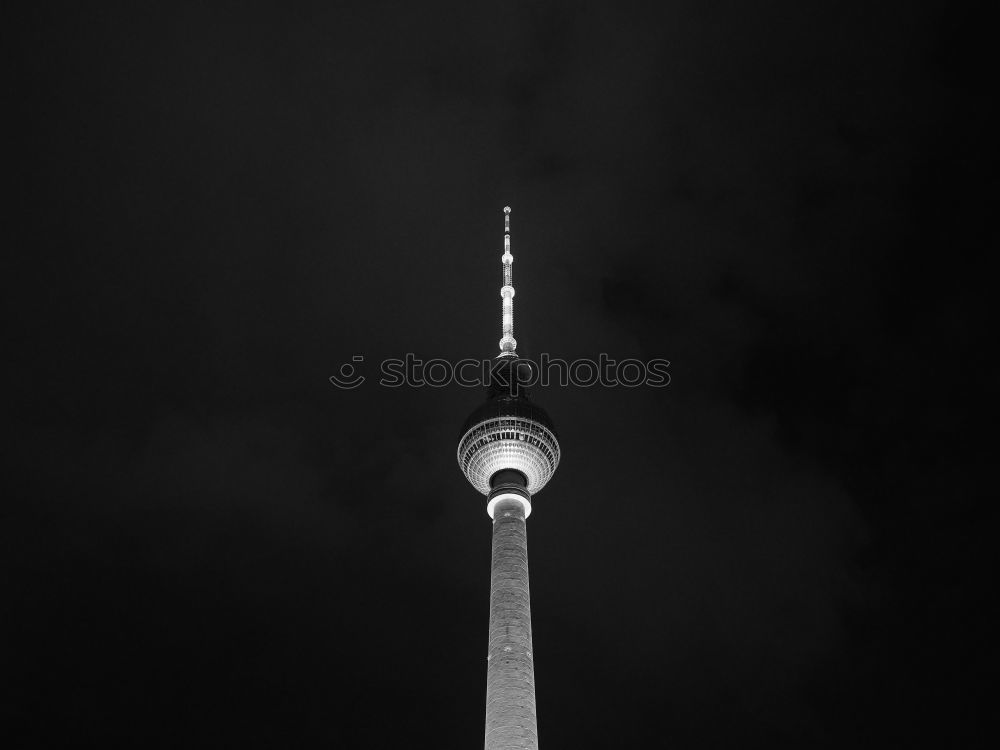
(510, 674)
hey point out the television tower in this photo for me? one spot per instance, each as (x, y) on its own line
(508, 451)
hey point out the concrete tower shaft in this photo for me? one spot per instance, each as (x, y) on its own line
(510, 672)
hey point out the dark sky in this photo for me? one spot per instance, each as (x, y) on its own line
(206, 544)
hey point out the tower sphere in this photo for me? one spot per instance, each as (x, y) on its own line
(509, 432)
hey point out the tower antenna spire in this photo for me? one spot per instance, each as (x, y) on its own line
(508, 344)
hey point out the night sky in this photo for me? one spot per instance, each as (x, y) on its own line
(205, 544)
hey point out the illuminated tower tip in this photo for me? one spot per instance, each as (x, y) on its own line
(508, 344)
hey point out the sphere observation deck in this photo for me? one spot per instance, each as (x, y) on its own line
(508, 432)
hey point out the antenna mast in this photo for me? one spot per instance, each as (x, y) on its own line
(508, 344)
